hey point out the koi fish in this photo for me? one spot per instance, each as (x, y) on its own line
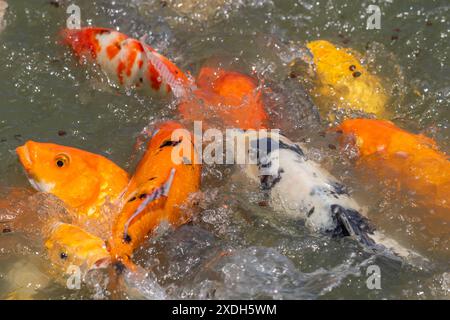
(158, 191)
(343, 82)
(69, 245)
(127, 61)
(230, 98)
(411, 161)
(84, 181)
(299, 188)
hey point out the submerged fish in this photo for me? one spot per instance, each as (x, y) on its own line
(158, 191)
(69, 245)
(127, 61)
(299, 188)
(343, 82)
(84, 181)
(411, 161)
(231, 98)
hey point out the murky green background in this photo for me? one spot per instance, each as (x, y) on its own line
(45, 95)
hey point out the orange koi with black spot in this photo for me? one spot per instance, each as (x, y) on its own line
(158, 191)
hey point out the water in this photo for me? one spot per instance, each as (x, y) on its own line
(234, 248)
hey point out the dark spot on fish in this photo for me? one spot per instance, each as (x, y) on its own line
(163, 4)
(294, 147)
(263, 203)
(141, 80)
(54, 3)
(142, 196)
(18, 137)
(152, 178)
(63, 255)
(310, 212)
(266, 165)
(269, 181)
(169, 143)
(132, 199)
(429, 23)
(394, 37)
(356, 74)
(292, 75)
(119, 267)
(352, 67)
(118, 46)
(61, 133)
(6, 230)
(127, 238)
(332, 146)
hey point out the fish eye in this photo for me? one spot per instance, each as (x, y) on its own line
(61, 160)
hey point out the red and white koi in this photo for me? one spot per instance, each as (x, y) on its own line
(127, 61)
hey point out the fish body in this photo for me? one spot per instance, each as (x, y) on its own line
(231, 98)
(411, 161)
(342, 81)
(126, 61)
(158, 191)
(299, 188)
(69, 245)
(84, 181)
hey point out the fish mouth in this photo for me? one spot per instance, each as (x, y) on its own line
(23, 152)
(24, 157)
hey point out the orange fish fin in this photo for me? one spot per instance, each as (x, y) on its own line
(162, 191)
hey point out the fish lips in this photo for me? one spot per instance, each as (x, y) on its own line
(23, 153)
(24, 157)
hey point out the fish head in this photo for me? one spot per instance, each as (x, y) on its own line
(69, 245)
(71, 174)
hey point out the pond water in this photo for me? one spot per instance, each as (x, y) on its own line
(234, 248)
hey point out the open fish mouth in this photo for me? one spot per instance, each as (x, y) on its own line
(24, 157)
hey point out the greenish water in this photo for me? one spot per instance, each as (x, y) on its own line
(43, 91)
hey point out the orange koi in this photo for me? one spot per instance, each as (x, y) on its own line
(69, 245)
(413, 160)
(230, 97)
(82, 180)
(163, 181)
(127, 61)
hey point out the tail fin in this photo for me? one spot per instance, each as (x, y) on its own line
(351, 223)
